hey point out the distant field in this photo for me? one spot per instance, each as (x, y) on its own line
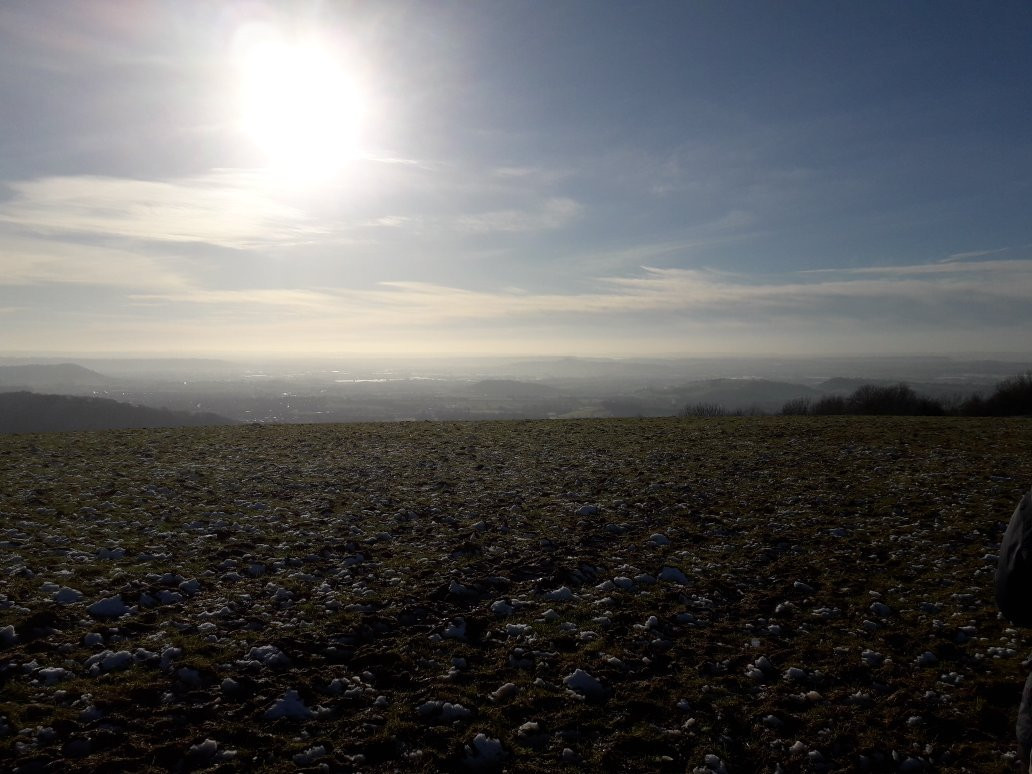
(809, 592)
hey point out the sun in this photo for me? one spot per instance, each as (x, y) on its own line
(298, 103)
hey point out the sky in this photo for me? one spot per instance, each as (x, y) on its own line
(246, 178)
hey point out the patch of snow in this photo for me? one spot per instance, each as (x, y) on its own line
(107, 661)
(111, 607)
(289, 706)
(190, 587)
(66, 596)
(51, 675)
(457, 630)
(459, 590)
(872, 658)
(880, 609)
(268, 655)
(712, 764)
(561, 594)
(501, 607)
(582, 683)
(673, 575)
(204, 750)
(310, 756)
(445, 711)
(505, 691)
(927, 659)
(168, 654)
(485, 752)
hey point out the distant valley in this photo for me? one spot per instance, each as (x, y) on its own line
(189, 392)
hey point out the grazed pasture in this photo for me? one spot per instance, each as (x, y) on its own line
(809, 593)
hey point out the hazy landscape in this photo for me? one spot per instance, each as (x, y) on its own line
(363, 389)
(512, 385)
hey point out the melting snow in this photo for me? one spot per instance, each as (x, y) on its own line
(289, 706)
(111, 607)
(582, 683)
(485, 752)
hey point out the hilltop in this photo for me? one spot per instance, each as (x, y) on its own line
(50, 376)
(27, 412)
(626, 595)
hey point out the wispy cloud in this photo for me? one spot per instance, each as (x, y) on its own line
(995, 268)
(28, 261)
(551, 214)
(248, 210)
(976, 254)
(704, 295)
(301, 300)
(230, 208)
(670, 310)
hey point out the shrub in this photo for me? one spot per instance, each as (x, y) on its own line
(1012, 397)
(704, 410)
(869, 399)
(797, 407)
(898, 399)
(829, 404)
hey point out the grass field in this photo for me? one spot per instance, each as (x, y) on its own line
(814, 593)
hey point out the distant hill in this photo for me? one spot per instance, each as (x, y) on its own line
(510, 388)
(50, 377)
(27, 412)
(734, 394)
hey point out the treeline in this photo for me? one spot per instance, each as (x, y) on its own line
(870, 399)
(706, 409)
(1011, 397)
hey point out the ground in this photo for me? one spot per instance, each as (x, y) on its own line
(623, 595)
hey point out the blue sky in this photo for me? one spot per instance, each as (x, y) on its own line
(515, 177)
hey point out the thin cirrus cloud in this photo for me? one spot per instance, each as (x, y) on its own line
(969, 290)
(552, 214)
(237, 209)
(35, 261)
(231, 208)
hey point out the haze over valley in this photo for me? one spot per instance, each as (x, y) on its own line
(363, 389)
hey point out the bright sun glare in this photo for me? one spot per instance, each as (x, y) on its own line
(298, 103)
